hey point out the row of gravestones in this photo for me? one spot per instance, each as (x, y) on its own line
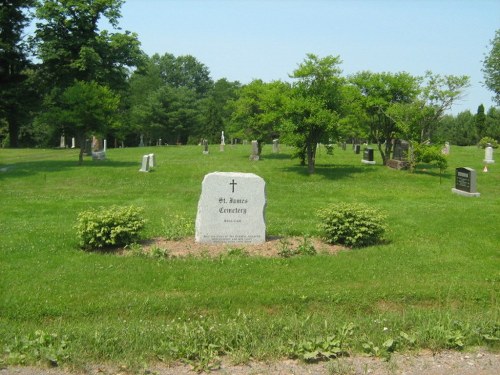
(255, 148)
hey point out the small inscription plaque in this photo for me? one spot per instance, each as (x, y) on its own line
(231, 209)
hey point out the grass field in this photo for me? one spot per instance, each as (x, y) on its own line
(434, 284)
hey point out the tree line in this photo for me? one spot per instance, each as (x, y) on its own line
(71, 78)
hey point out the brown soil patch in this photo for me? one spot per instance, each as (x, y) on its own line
(271, 248)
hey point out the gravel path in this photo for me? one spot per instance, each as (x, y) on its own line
(444, 363)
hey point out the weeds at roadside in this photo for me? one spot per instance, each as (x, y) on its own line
(42, 347)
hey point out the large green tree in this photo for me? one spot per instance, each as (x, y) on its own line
(316, 104)
(379, 92)
(491, 67)
(87, 107)
(418, 120)
(15, 93)
(259, 111)
(73, 49)
(182, 79)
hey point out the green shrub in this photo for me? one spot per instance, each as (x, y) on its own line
(430, 155)
(484, 142)
(353, 224)
(115, 226)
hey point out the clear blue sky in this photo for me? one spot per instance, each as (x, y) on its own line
(245, 39)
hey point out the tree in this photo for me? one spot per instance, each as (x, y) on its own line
(170, 114)
(183, 71)
(308, 122)
(380, 92)
(258, 111)
(491, 67)
(15, 94)
(493, 123)
(182, 79)
(86, 107)
(71, 46)
(73, 49)
(313, 111)
(480, 120)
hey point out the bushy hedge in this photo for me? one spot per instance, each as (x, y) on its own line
(115, 226)
(351, 224)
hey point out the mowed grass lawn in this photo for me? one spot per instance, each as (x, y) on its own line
(434, 283)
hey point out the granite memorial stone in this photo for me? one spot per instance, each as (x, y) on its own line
(231, 209)
(488, 155)
(368, 156)
(255, 151)
(145, 164)
(465, 182)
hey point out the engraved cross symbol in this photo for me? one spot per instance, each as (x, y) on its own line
(233, 183)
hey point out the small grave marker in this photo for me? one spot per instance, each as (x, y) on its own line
(368, 156)
(145, 164)
(73, 143)
(276, 146)
(465, 182)
(255, 151)
(488, 155)
(357, 149)
(205, 147)
(152, 161)
(222, 142)
(231, 209)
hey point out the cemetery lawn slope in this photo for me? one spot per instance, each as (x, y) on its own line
(434, 283)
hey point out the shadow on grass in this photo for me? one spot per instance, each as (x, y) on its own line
(277, 156)
(432, 170)
(332, 171)
(46, 166)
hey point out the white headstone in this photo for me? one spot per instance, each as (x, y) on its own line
(446, 149)
(145, 164)
(276, 147)
(231, 209)
(255, 151)
(62, 143)
(152, 161)
(488, 155)
(73, 145)
(105, 145)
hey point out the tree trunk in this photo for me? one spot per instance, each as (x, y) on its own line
(13, 132)
(382, 153)
(311, 157)
(81, 141)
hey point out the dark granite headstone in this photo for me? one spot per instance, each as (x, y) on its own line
(357, 149)
(368, 154)
(465, 182)
(400, 150)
